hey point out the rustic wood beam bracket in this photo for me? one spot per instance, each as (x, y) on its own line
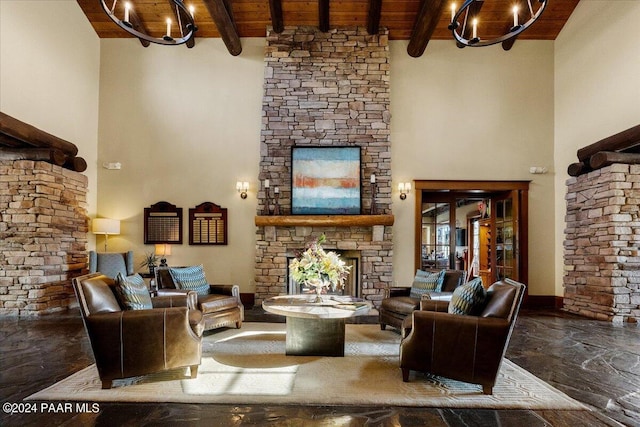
(424, 26)
(323, 15)
(137, 24)
(373, 17)
(221, 13)
(277, 22)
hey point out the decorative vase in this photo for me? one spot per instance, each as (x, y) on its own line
(318, 294)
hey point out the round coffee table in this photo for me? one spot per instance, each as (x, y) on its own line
(316, 329)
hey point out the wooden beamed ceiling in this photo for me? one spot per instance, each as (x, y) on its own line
(418, 21)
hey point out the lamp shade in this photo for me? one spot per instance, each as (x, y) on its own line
(106, 226)
(163, 249)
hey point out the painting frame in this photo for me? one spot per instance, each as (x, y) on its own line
(326, 180)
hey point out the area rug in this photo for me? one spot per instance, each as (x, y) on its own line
(249, 366)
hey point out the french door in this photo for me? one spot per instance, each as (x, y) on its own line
(478, 226)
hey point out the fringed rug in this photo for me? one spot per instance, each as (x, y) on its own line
(248, 366)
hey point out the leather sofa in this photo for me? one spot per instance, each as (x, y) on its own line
(462, 347)
(397, 304)
(129, 343)
(221, 307)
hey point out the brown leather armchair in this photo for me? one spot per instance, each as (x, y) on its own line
(221, 307)
(128, 343)
(397, 304)
(462, 347)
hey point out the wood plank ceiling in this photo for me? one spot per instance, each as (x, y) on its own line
(416, 20)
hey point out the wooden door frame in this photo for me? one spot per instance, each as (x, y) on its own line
(480, 188)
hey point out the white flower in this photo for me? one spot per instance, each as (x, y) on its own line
(315, 267)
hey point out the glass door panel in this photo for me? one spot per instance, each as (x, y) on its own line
(436, 236)
(505, 239)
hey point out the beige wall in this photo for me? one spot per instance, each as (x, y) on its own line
(185, 125)
(474, 114)
(49, 72)
(597, 89)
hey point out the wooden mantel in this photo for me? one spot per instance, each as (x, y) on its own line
(324, 220)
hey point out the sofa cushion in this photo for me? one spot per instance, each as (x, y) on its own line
(468, 298)
(133, 292)
(425, 282)
(402, 305)
(213, 303)
(190, 278)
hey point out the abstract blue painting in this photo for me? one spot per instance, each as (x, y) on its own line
(325, 180)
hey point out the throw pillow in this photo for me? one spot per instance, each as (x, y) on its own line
(425, 282)
(133, 292)
(468, 298)
(191, 278)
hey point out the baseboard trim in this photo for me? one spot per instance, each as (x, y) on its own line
(543, 301)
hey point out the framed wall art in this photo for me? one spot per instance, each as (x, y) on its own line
(325, 180)
(162, 224)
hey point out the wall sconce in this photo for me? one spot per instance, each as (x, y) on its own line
(404, 188)
(242, 187)
(107, 227)
(162, 250)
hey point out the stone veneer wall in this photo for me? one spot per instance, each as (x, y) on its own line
(602, 244)
(325, 89)
(43, 236)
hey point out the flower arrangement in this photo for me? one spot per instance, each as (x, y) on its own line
(319, 268)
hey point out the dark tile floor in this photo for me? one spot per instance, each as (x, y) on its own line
(597, 363)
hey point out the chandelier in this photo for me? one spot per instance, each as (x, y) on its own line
(126, 17)
(466, 25)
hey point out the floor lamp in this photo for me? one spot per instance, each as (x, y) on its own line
(106, 226)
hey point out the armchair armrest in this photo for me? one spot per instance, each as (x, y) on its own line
(192, 296)
(400, 291)
(434, 305)
(171, 300)
(225, 289)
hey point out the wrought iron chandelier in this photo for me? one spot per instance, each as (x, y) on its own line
(465, 22)
(131, 23)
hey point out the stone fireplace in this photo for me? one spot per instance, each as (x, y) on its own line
(325, 89)
(602, 244)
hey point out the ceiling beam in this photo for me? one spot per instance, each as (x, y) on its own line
(323, 15)
(222, 15)
(424, 26)
(373, 17)
(277, 22)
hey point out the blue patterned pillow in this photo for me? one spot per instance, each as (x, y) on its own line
(133, 292)
(191, 278)
(468, 298)
(426, 282)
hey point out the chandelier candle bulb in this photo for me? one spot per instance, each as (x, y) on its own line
(453, 11)
(192, 10)
(475, 28)
(515, 16)
(127, 6)
(168, 27)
